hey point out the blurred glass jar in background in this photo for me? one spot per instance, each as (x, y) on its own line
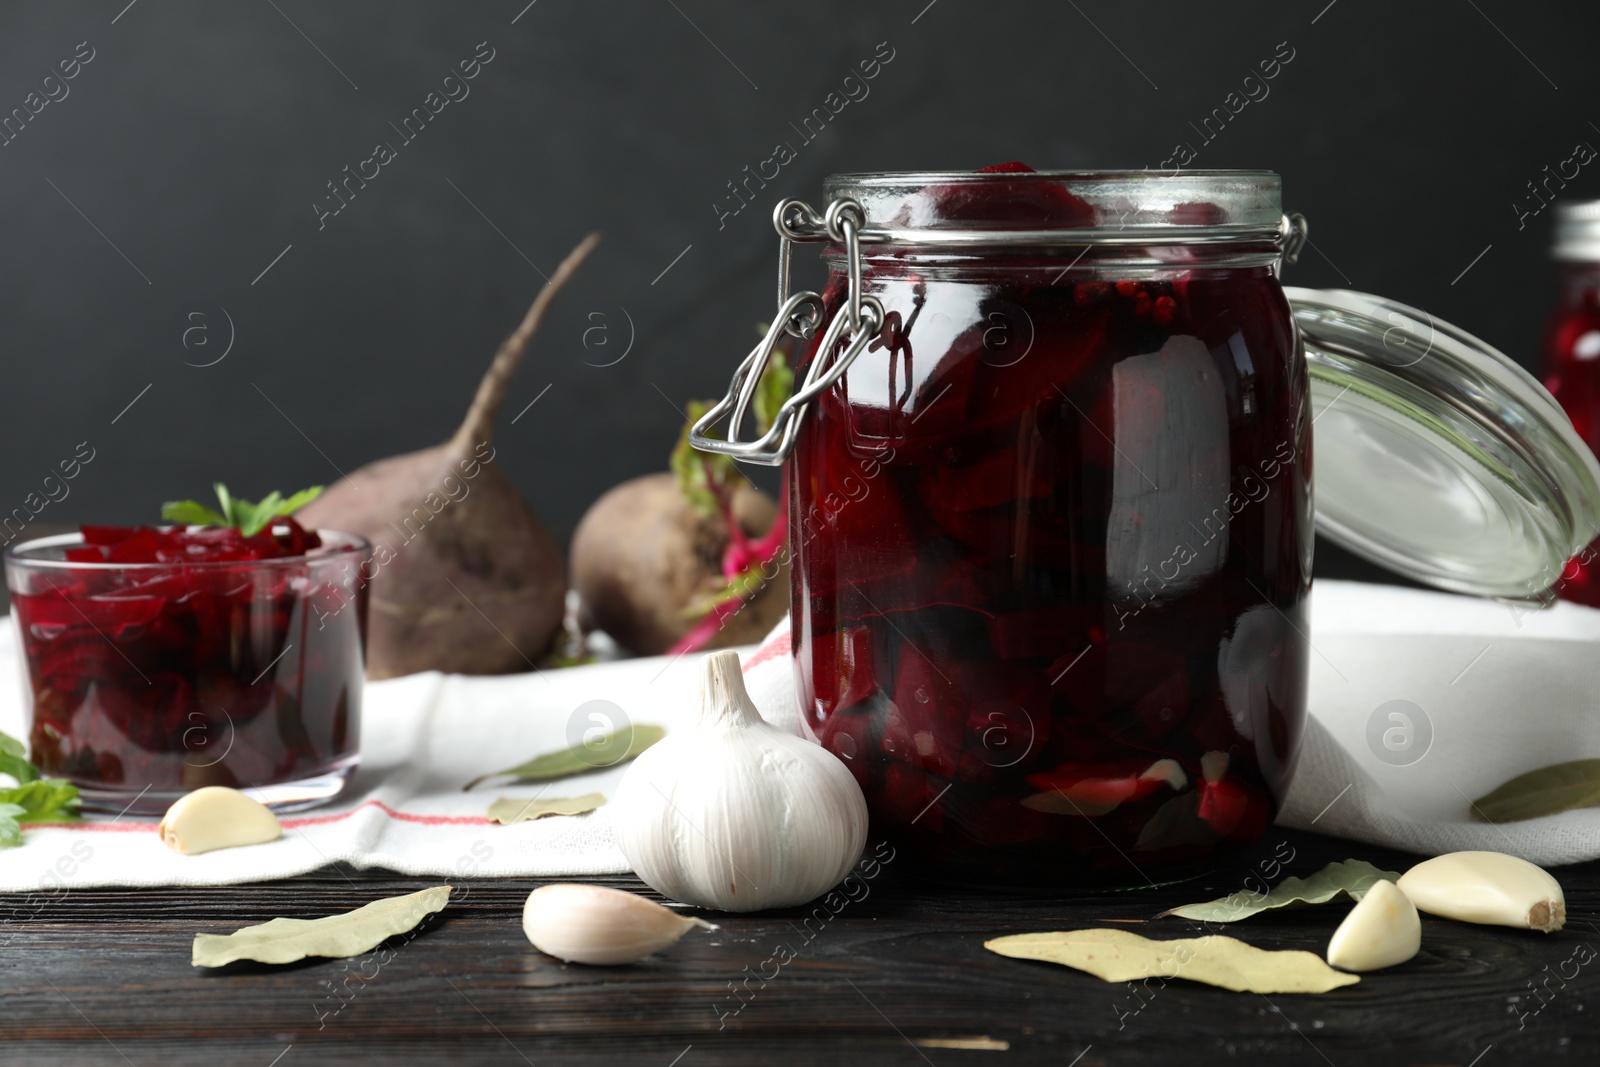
(1572, 359)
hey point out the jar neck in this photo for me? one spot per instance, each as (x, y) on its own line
(1120, 261)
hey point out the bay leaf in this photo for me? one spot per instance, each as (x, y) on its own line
(1175, 824)
(1546, 791)
(339, 936)
(1123, 956)
(977, 1043)
(1350, 878)
(508, 810)
(613, 748)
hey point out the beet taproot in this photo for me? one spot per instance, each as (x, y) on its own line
(643, 554)
(464, 577)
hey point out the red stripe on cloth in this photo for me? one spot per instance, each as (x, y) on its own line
(778, 646)
(111, 827)
(313, 820)
(399, 816)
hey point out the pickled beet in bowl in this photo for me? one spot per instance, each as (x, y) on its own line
(159, 660)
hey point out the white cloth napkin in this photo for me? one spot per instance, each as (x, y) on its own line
(1504, 689)
(423, 738)
(1501, 692)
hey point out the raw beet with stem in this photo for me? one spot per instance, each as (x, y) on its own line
(465, 577)
(162, 659)
(1056, 573)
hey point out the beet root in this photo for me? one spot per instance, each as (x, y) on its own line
(476, 588)
(464, 578)
(643, 554)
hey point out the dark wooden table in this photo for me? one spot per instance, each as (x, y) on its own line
(103, 977)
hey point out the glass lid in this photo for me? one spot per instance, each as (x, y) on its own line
(1437, 456)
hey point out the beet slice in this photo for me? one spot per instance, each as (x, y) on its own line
(1233, 809)
(1021, 204)
(922, 724)
(851, 736)
(105, 535)
(844, 668)
(1005, 734)
(991, 480)
(853, 538)
(1054, 631)
(910, 797)
(1197, 214)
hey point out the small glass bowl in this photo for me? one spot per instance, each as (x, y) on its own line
(145, 681)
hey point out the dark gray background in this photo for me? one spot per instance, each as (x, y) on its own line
(200, 135)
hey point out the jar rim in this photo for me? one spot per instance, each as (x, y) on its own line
(1577, 232)
(1062, 208)
(942, 177)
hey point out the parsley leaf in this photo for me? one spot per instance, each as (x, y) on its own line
(34, 799)
(251, 518)
(230, 515)
(46, 799)
(299, 500)
(190, 513)
(260, 514)
(14, 760)
(10, 830)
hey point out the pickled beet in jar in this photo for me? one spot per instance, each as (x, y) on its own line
(1057, 521)
(159, 661)
(1049, 463)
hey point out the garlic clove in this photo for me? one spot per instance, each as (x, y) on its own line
(217, 817)
(1213, 766)
(599, 926)
(1166, 770)
(1487, 887)
(1383, 929)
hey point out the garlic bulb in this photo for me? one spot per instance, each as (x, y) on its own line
(736, 814)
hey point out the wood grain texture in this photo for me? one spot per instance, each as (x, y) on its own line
(103, 977)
